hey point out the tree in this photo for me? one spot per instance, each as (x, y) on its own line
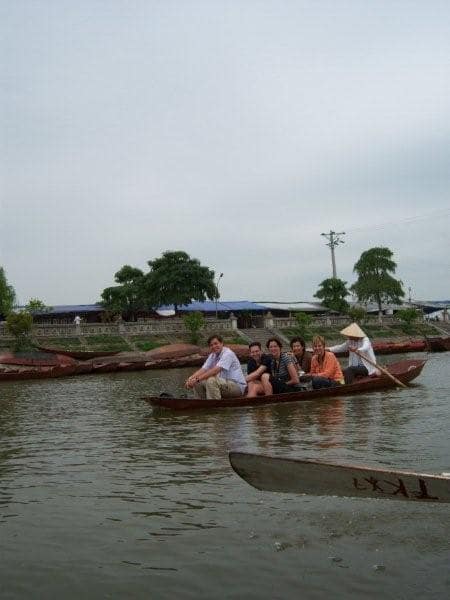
(37, 306)
(20, 325)
(332, 292)
(357, 313)
(7, 295)
(375, 282)
(127, 297)
(176, 278)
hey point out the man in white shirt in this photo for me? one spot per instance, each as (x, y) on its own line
(358, 365)
(220, 376)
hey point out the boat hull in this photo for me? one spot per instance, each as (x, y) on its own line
(294, 476)
(405, 371)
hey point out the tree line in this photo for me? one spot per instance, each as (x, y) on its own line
(375, 282)
(177, 279)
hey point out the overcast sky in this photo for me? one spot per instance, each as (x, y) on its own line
(237, 131)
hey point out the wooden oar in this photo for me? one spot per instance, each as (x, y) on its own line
(295, 476)
(382, 369)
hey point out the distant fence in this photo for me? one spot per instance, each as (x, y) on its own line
(332, 321)
(122, 328)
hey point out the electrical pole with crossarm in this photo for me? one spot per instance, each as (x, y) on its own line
(333, 240)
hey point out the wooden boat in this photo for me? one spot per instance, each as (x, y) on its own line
(438, 343)
(395, 347)
(37, 372)
(294, 476)
(399, 347)
(404, 370)
(79, 354)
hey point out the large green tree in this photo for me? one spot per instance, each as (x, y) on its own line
(332, 292)
(128, 296)
(7, 295)
(176, 278)
(375, 282)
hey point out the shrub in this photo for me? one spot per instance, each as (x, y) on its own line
(194, 322)
(357, 313)
(20, 325)
(407, 316)
(303, 323)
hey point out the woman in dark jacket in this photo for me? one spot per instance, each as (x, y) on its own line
(284, 375)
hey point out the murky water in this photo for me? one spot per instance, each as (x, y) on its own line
(101, 498)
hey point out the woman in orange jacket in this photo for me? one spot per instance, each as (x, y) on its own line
(325, 368)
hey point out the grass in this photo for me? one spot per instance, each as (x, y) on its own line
(62, 343)
(145, 345)
(373, 330)
(147, 342)
(107, 342)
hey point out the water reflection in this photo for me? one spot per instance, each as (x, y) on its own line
(96, 479)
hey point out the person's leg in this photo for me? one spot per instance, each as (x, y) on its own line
(212, 387)
(200, 390)
(322, 382)
(267, 386)
(351, 373)
(228, 388)
(255, 388)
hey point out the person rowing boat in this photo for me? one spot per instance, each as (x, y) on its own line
(361, 357)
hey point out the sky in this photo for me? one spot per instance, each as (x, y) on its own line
(237, 131)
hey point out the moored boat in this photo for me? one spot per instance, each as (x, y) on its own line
(404, 370)
(438, 343)
(79, 354)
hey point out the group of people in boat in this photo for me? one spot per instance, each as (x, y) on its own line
(279, 372)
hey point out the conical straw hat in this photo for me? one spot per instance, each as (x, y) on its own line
(353, 330)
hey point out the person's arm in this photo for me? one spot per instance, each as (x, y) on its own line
(292, 370)
(293, 373)
(339, 347)
(306, 363)
(200, 375)
(365, 346)
(256, 374)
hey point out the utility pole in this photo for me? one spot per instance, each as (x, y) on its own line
(217, 292)
(333, 240)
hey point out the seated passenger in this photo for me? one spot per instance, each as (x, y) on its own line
(220, 376)
(325, 368)
(301, 356)
(284, 375)
(258, 371)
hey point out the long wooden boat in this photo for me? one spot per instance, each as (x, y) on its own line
(37, 372)
(294, 476)
(79, 354)
(404, 370)
(399, 347)
(438, 343)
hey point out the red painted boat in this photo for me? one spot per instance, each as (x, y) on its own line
(395, 347)
(404, 370)
(399, 347)
(36, 372)
(438, 343)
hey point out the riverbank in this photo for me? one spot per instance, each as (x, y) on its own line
(146, 342)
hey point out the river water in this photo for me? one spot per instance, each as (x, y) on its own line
(102, 498)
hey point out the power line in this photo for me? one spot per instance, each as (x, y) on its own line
(431, 215)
